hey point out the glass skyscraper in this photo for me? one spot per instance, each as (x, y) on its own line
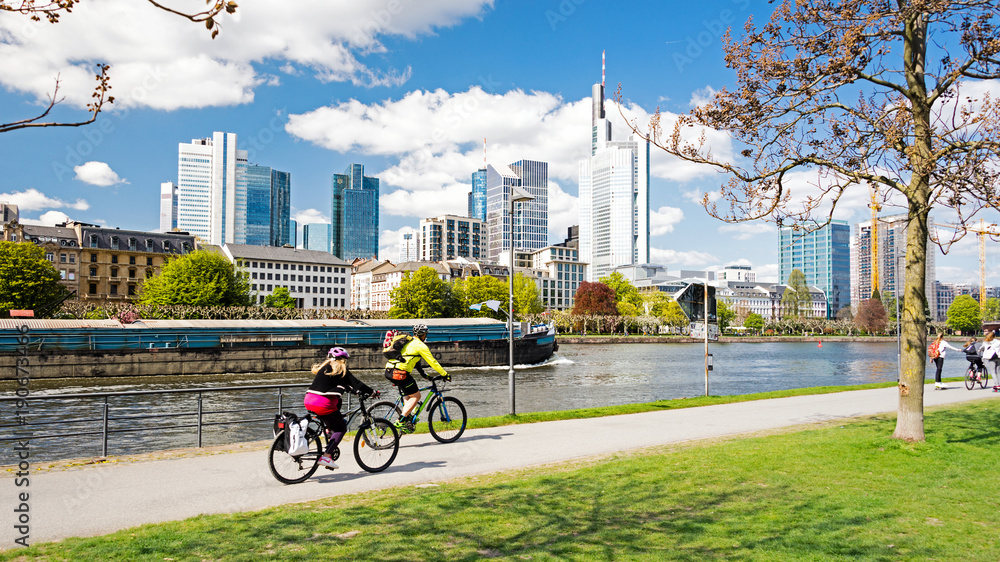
(354, 214)
(317, 236)
(824, 256)
(212, 189)
(268, 206)
(531, 218)
(477, 197)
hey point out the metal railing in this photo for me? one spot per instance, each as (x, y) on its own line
(106, 431)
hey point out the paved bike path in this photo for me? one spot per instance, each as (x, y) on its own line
(99, 499)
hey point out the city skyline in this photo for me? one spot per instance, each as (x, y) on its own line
(411, 95)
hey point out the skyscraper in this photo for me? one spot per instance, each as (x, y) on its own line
(477, 197)
(293, 233)
(448, 237)
(891, 261)
(531, 218)
(824, 256)
(268, 194)
(168, 206)
(409, 246)
(317, 236)
(354, 213)
(212, 189)
(614, 197)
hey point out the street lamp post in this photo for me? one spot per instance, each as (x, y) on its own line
(516, 195)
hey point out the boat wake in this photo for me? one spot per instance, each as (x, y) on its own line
(554, 360)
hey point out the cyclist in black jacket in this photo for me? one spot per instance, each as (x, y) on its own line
(323, 398)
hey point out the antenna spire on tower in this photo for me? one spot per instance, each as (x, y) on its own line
(602, 69)
(484, 153)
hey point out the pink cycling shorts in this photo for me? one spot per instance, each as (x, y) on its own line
(322, 405)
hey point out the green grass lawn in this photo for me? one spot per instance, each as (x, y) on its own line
(841, 491)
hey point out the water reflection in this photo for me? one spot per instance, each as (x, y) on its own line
(582, 375)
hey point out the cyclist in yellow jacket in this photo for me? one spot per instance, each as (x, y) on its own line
(399, 373)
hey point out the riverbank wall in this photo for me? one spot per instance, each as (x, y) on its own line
(48, 364)
(569, 339)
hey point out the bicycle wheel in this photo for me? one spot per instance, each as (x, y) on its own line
(292, 470)
(376, 445)
(385, 409)
(446, 419)
(970, 378)
(984, 378)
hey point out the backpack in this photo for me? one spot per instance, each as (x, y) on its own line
(933, 351)
(392, 346)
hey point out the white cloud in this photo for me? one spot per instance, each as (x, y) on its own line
(702, 96)
(34, 200)
(767, 273)
(747, 230)
(97, 173)
(564, 212)
(663, 220)
(436, 139)
(674, 259)
(310, 216)
(163, 61)
(50, 218)
(388, 243)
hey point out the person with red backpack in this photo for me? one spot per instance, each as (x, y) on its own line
(936, 352)
(398, 371)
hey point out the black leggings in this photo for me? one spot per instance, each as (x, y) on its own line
(938, 362)
(337, 425)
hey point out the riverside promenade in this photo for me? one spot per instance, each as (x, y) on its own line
(69, 500)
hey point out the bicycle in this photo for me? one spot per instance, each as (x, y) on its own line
(446, 417)
(375, 446)
(977, 372)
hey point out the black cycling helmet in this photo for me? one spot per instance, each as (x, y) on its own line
(419, 329)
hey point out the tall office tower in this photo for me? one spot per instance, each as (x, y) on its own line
(168, 206)
(448, 237)
(268, 194)
(891, 254)
(212, 189)
(531, 218)
(824, 256)
(293, 233)
(317, 236)
(354, 214)
(614, 197)
(477, 197)
(409, 246)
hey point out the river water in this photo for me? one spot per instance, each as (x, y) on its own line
(578, 376)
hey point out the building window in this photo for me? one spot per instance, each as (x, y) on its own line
(62, 274)
(114, 242)
(72, 275)
(62, 258)
(131, 290)
(50, 256)
(114, 259)
(93, 289)
(149, 261)
(114, 272)
(149, 273)
(93, 240)
(166, 245)
(132, 244)
(113, 290)
(131, 260)
(270, 265)
(93, 258)
(149, 244)
(93, 271)
(131, 273)
(72, 258)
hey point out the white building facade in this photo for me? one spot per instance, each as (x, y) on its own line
(314, 279)
(563, 274)
(614, 197)
(409, 245)
(168, 206)
(449, 237)
(891, 261)
(212, 189)
(530, 218)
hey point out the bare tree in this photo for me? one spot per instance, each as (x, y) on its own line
(52, 10)
(859, 93)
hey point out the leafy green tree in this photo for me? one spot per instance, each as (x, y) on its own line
(655, 302)
(625, 292)
(594, 298)
(526, 299)
(796, 300)
(280, 298)
(27, 279)
(964, 315)
(754, 322)
(725, 313)
(991, 310)
(201, 278)
(422, 295)
(673, 315)
(477, 289)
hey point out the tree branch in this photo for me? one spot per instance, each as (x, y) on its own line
(100, 97)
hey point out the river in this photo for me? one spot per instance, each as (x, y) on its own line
(578, 376)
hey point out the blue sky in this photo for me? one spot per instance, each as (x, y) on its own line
(409, 89)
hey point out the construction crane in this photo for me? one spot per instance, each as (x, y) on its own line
(875, 207)
(982, 230)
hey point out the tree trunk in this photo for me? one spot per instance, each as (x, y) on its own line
(910, 416)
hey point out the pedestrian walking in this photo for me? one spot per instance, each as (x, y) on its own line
(936, 351)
